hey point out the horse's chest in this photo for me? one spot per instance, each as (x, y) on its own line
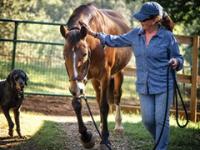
(95, 72)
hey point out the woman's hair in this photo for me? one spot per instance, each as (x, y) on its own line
(167, 22)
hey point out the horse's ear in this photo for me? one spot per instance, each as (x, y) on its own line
(83, 32)
(63, 30)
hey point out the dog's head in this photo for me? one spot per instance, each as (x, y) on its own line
(17, 80)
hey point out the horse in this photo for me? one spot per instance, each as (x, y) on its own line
(87, 59)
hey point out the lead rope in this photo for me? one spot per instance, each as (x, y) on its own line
(90, 112)
(176, 89)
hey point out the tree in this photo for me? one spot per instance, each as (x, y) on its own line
(186, 12)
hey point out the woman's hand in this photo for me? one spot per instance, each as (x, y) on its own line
(89, 30)
(173, 62)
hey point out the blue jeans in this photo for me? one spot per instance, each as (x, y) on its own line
(153, 108)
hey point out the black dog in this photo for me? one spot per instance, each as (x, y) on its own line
(11, 96)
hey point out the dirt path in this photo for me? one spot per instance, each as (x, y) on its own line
(52, 105)
(119, 142)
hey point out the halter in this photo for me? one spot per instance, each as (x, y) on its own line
(74, 28)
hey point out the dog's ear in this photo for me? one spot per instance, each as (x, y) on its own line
(10, 79)
(26, 79)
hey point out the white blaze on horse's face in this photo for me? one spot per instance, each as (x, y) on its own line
(76, 87)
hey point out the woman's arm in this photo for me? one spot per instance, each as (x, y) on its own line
(177, 64)
(123, 40)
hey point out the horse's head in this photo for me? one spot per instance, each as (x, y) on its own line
(77, 58)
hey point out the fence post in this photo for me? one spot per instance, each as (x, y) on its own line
(193, 102)
(14, 45)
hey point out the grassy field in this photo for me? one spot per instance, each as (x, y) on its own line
(50, 133)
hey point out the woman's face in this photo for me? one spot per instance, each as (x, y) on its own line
(148, 23)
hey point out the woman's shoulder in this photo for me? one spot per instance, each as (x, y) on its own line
(136, 30)
(168, 35)
(166, 32)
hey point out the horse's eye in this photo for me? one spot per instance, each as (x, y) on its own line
(85, 54)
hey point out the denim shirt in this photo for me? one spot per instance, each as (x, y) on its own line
(152, 60)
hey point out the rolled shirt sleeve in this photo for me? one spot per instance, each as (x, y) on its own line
(123, 40)
(175, 52)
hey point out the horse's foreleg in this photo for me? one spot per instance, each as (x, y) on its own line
(118, 80)
(104, 109)
(96, 86)
(86, 137)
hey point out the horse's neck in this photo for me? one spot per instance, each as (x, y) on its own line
(103, 21)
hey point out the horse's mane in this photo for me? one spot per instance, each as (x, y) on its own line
(83, 12)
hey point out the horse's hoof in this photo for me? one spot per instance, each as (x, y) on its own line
(90, 142)
(105, 147)
(119, 130)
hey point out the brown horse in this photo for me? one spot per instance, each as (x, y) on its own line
(85, 58)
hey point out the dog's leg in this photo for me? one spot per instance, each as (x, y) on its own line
(17, 122)
(10, 123)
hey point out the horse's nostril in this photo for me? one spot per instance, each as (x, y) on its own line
(81, 91)
(73, 93)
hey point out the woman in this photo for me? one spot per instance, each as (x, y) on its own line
(155, 48)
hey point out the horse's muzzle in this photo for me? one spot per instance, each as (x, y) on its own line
(77, 88)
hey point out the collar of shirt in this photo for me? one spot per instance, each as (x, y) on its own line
(159, 33)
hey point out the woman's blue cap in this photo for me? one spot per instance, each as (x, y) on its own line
(148, 10)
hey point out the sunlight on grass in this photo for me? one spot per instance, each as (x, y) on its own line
(30, 123)
(129, 118)
(182, 122)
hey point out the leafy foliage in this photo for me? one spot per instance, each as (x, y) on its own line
(185, 12)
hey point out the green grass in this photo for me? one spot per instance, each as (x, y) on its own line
(49, 137)
(180, 138)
